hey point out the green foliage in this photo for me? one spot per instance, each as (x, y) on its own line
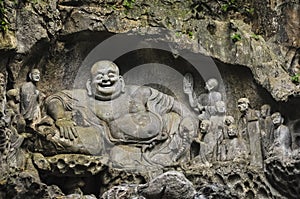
(225, 7)
(191, 34)
(128, 4)
(233, 5)
(3, 19)
(178, 34)
(250, 11)
(230, 4)
(296, 78)
(114, 7)
(236, 37)
(255, 36)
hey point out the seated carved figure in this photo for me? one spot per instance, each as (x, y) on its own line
(130, 124)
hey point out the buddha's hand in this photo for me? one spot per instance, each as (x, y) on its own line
(188, 83)
(67, 129)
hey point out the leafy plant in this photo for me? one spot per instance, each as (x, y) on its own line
(128, 4)
(255, 36)
(231, 4)
(3, 20)
(296, 78)
(225, 7)
(236, 37)
(250, 11)
(191, 34)
(178, 34)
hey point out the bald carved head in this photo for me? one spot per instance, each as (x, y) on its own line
(106, 82)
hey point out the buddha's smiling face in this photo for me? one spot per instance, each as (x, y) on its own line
(106, 82)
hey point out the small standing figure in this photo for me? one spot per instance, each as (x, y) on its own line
(249, 131)
(228, 122)
(2, 94)
(30, 99)
(266, 126)
(208, 143)
(204, 147)
(213, 97)
(217, 125)
(236, 148)
(282, 137)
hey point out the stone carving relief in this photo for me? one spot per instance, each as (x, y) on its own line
(205, 104)
(148, 128)
(131, 128)
(282, 137)
(31, 98)
(2, 93)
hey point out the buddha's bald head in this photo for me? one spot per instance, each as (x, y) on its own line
(106, 82)
(104, 65)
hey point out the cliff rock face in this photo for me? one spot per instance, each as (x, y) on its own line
(252, 46)
(261, 36)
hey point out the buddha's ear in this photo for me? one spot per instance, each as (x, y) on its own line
(89, 87)
(123, 83)
(30, 76)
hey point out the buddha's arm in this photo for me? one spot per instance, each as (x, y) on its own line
(66, 127)
(56, 109)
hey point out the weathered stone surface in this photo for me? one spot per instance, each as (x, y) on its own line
(168, 185)
(70, 164)
(56, 36)
(283, 174)
(236, 179)
(171, 185)
(24, 185)
(267, 60)
(8, 41)
(215, 191)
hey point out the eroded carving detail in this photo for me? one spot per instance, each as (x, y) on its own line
(118, 132)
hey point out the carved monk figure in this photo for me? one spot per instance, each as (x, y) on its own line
(213, 96)
(2, 93)
(249, 131)
(30, 99)
(228, 122)
(204, 138)
(236, 148)
(133, 124)
(208, 146)
(205, 104)
(266, 126)
(282, 137)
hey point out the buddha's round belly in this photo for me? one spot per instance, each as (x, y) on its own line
(136, 126)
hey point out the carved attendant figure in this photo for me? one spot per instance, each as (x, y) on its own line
(30, 99)
(205, 104)
(213, 96)
(228, 122)
(236, 148)
(266, 126)
(249, 131)
(2, 93)
(204, 139)
(282, 137)
(208, 145)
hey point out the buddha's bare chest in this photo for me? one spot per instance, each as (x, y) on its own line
(114, 109)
